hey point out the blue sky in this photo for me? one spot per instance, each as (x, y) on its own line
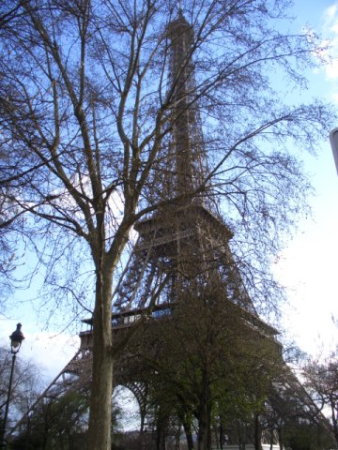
(307, 267)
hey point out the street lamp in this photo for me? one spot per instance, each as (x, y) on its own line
(16, 340)
(334, 145)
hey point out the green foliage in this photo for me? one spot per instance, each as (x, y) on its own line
(307, 436)
(207, 360)
(56, 424)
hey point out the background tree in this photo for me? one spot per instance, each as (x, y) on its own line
(208, 362)
(294, 415)
(58, 423)
(59, 419)
(321, 381)
(87, 103)
(25, 387)
(307, 436)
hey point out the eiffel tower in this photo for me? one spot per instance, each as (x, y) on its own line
(184, 242)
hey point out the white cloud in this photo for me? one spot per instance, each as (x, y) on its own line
(331, 69)
(307, 269)
(331, 11)
(51, 352)
(330, 32)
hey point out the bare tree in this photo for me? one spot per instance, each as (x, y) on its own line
(322, 383)
(8, 209)
(86, 113)
(25, 386)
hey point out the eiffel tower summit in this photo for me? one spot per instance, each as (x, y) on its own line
(189, 343)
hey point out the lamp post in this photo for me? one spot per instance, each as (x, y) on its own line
(16, 340)
(334, 145)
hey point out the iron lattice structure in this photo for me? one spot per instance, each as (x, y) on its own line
(184, 241)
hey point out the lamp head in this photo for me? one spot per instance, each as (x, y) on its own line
(16, 339)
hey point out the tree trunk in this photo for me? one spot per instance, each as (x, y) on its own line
(334, 420)
(204, 435)
(161, 433)
(188, 435)
(99, 430)
(204, 419)
(178, 437)
(242, 435)
(257, 433)
(280, 438)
